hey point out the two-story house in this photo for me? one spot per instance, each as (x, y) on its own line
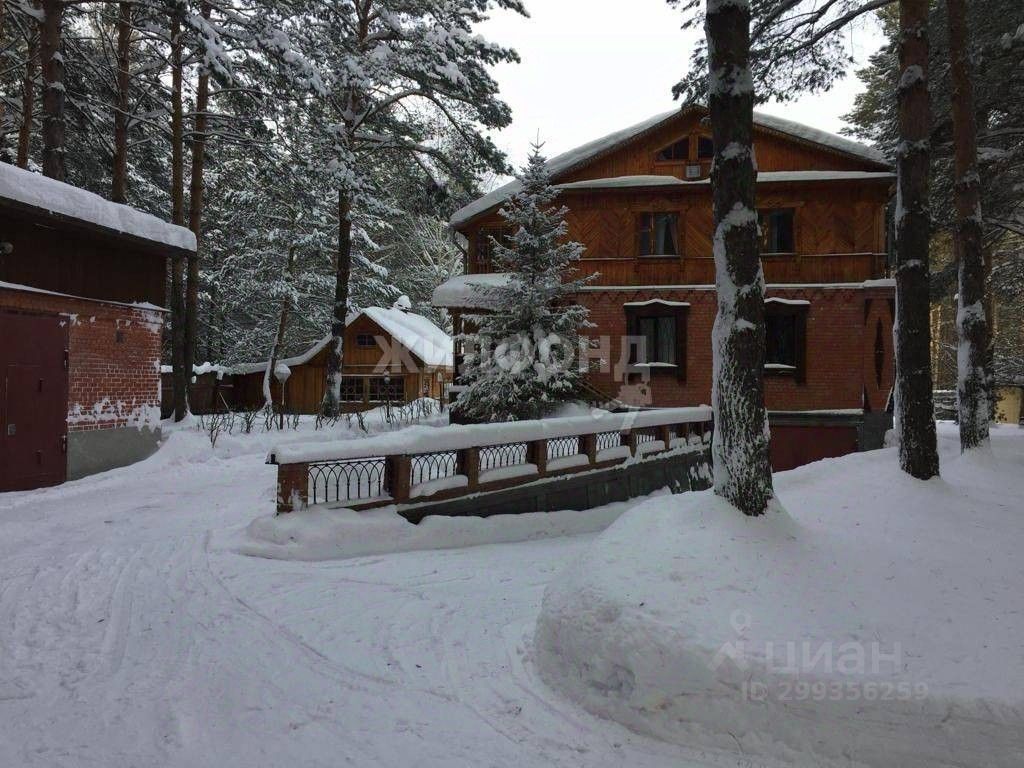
(640, 201)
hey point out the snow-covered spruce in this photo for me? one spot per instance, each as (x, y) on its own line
(876, 621)
(521, 363)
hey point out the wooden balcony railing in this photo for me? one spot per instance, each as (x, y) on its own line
(700, 270)
(450, 462)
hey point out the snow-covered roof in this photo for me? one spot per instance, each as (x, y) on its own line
(468, 291)
(561, 164)
(47, 194)
(414, 332)
(32, 289)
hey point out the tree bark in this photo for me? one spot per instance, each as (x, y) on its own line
(119, 172)
(740, 449)
(971, 320)
(50, 31)
(195, 211)
(182, 375)
(335, 354)
(28, 100)
(915, 420)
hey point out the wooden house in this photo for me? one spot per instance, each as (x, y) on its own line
(391, 356)
(640, 201)
(82, 290)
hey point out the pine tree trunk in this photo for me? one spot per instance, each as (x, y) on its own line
(119, 172)
(741, 459)
(915, 420)
(53, 88)
(336, 351)
(195, 213)
(971, 322)
(28, 100)
(182, 374)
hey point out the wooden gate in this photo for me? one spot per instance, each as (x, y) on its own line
(33, 400)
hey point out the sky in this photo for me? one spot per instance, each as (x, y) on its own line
(590, 67)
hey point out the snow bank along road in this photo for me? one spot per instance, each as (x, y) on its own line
(129, 638)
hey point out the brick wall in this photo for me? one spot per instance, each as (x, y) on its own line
(840, 359)
(114, 359)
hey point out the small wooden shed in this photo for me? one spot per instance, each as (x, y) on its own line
(391, 355)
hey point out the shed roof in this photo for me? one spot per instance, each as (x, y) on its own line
(55, 198)
(586, 153)
(414, 332)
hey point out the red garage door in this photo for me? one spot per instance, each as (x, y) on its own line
(33, 400)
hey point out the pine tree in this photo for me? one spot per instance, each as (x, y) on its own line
(742, 468)
(972, 325)
(523, 361)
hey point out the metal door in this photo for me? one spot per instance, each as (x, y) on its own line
(33, 400)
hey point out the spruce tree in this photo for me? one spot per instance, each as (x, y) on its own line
(523, 361)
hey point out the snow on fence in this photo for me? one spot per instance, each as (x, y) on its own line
(449, 462)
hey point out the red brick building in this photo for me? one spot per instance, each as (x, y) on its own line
(640, 202)
(82, 285)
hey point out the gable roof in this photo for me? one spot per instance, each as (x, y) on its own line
(593, 150)
(414, 332)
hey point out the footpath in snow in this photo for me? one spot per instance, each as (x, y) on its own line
(872, 619)
(129, 638)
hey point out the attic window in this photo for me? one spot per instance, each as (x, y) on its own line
(675, 152)
(777, 230)
(705, 148)
(365, 341)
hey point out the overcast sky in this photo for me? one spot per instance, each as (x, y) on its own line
(590, 67)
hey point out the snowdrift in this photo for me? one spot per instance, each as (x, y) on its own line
(879, 621)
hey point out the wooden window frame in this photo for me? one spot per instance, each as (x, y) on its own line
(657, 309)
(639, 218)
(765, 213)
(675, 160)
(360, 337)
(800, 312)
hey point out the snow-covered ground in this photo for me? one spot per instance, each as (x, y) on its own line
(129, 636)
(874, 620)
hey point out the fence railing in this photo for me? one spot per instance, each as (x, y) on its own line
(468, 459)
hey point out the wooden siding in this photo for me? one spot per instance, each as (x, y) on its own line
(839, 226)
(839, 232)
(71, 259)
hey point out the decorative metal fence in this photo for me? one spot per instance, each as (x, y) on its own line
(369, 481)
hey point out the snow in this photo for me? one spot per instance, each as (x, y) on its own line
(878, 621)
(788, 302)
(415, 332)
(57, 197)
(469, 291)
(144, 305)
(662, 302)
(583, 154)
(458, 437)
(507, 473)
(133, 634)
(438, 484)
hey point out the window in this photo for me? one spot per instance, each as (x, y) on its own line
(680, 151)
(365, 340)
(777, 231)
(383, 390)
(705, 148)
(352, 389)
(659, 234)
(485, 247)
(785, 340)
(658, 331)
(659, 335)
